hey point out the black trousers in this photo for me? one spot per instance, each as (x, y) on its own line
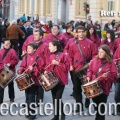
(57, 93)
(72, 79)
(117, 94)
(10, 92)
(40, 94)
(31, 94)
(97, 100)
(14, 44)
(77, 90)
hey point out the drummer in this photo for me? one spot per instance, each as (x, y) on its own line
(103, 67)
(34, 70)
(10, 58)
(116, 59)
(77, 60)
(60, 66)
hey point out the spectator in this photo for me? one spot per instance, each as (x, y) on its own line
(12, 33)
(23, 17)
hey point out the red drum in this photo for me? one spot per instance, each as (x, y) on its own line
(92, 89)
(48, 81)
(24, 81)
(6, 76)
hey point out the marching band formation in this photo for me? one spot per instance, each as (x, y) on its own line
(94, 65)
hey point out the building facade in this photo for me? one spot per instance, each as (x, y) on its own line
(65, 10)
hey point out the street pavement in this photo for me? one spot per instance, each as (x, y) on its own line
(20, 98)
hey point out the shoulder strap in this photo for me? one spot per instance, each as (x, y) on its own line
(80, 50)
(5, 53)
(100, 68)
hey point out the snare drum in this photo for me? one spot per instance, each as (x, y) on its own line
(48, 81)
(6, 76)
(24, 81)
(92, 89)
(81, 73)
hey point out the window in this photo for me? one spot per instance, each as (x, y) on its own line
(21, 8)
(110, 5)
(38, 6)
(79, 7)
(48, 7)
(28, 7)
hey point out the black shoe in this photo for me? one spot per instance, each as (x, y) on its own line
(71, 94)
(55, 118)
(11, 100)
(118, 113)
(62, 117)
(23, 105)
(87, 102)
(32, 117)
(27, 116)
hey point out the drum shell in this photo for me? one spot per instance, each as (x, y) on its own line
(24, 81)
(81, 73)
(92, 89)
(48, 81)
(6, 76)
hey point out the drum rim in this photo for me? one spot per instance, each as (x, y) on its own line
(91, 82)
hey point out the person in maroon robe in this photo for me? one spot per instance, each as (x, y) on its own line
(29, 39)
(92, 35)
(116, 44)
(102, 67)
(109, 40)
(116, 59)
(59, 64)
(55, 35)
(10, 58)
(78, 59)
(68, 34)
(35, 71)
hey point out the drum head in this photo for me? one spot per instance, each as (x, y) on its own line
(90, 83)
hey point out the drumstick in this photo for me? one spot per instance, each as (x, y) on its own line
(28, 68)
(23, 55)
(101, 75)
(48, 66)
(116, 59)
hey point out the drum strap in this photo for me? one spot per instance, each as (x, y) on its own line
(56, 59)
(5, 53)
(100, 68)
(81, 52)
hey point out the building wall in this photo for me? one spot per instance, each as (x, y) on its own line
(72, 10)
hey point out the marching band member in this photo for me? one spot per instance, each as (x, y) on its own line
(55, 35)
(103, 68)
(29, 39)
(116, 59)
(92, 35)
(66, 50)
(116, 43)
(78, 60)
(42, 51)
(110, 38)
(68, 34)
(34, 70)
(60, 66)
(9, 57)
